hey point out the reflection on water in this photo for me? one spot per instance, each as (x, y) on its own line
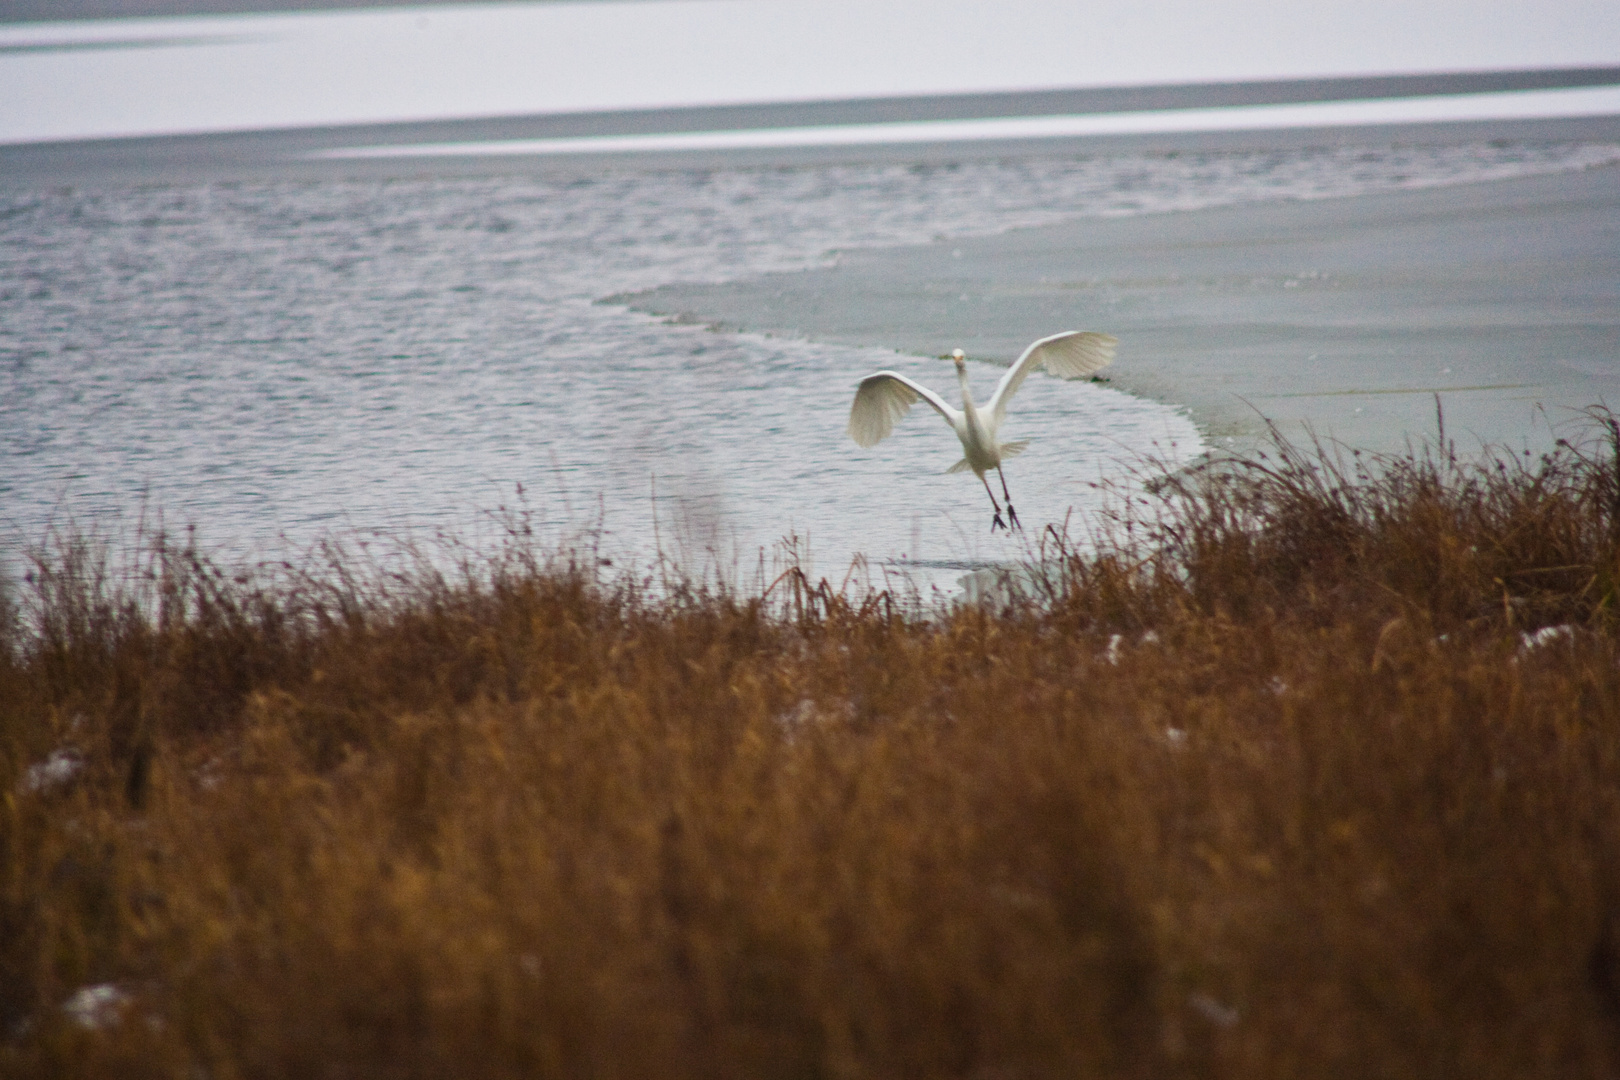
(279, 361)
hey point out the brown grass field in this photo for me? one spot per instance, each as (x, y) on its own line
(1276, 779)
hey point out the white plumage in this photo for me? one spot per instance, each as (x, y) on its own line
(885, 396)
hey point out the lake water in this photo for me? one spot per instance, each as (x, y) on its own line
(280, 362)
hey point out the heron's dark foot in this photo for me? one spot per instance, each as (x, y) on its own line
(998, 523)
(1013, 514)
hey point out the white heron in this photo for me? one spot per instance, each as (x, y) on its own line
(886, 396)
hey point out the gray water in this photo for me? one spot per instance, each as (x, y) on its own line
(280, 362)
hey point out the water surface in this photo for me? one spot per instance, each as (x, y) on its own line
(280, 361)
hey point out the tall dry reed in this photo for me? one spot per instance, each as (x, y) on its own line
(1309, 768)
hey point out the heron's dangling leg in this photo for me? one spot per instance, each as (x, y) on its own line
(1011, 513)
(997, 523)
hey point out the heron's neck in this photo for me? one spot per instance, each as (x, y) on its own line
(967, 394)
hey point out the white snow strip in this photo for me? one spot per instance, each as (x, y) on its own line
(1506, 105)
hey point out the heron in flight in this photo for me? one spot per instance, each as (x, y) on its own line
(886, 396)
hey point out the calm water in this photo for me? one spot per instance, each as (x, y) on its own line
(279, 362)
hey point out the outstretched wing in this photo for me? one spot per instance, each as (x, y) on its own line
(882, 399)
(1073, 354)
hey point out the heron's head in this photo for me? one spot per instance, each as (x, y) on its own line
(961, 359)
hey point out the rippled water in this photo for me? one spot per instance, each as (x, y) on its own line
(276, 362)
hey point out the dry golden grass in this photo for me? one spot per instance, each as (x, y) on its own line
(1270, 783)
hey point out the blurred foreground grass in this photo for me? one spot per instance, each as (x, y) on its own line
(1304, 770)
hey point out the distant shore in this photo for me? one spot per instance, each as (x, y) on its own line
(296, 153)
